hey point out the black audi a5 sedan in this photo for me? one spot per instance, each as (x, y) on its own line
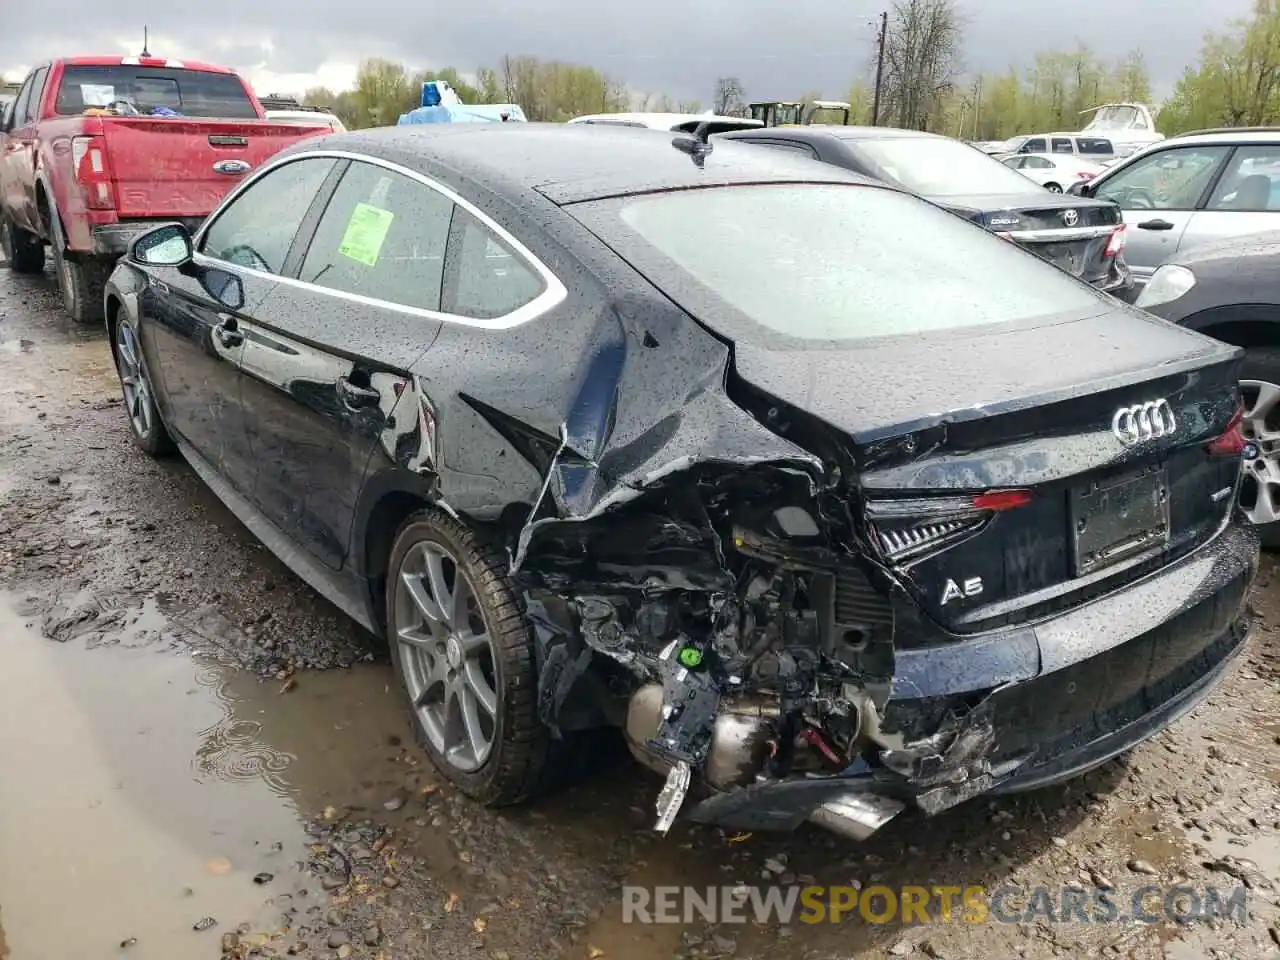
(1084, 237)
(701, 441)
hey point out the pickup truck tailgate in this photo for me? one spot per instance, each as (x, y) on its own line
(169, 168)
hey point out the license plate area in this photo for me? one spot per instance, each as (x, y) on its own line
(1118, 518)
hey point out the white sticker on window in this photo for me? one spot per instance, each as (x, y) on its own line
(97, 94)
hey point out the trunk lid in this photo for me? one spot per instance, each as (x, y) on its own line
(183, 168)
(1033, 410)
(1071, 233)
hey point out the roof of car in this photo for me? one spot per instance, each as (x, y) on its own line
(573, 162)
(1229, 134)
(818, 131)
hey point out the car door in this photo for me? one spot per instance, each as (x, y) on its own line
(18, 162)
(327, 357)
(1246, 198)
(192, 331)
(1158, 194)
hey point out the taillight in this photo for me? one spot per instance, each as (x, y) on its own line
(1232, 441)
(910, 529)
(1115, 243)
(89, 159)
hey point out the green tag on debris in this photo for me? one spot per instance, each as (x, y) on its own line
(691, 656)
(366, 232)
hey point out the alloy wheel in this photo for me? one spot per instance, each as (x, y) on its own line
(1260, 492)
(447, 656)
(133, 381)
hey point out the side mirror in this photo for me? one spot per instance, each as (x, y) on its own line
(168, 245)
(1077, 188)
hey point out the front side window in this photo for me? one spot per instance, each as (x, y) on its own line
(382, 236)
(485, 278)
(1173, 179)
(1033, 145)
(258, 227)
(1251, 181)
(1095, 146)
(813, 265)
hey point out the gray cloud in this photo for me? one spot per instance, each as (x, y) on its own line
(671, 46)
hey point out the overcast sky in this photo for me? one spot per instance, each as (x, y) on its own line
(778, 49)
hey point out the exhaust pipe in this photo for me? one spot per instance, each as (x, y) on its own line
(857, 815)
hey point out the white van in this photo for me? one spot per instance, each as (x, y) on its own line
(676, 122)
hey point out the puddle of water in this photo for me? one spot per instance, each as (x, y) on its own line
(128, 770)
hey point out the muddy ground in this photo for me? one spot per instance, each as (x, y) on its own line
(198, 753)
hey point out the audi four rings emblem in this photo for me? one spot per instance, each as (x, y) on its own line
(1144, 421)
(1070, 218)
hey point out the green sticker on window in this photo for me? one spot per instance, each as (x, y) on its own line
(366, 232)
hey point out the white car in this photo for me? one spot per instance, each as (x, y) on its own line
(1056, 172)
(676, 122)
(307, 118)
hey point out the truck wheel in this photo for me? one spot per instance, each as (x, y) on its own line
(464, 654)
(23, 251)
(83, 284)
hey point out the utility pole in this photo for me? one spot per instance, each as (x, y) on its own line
(875, 103)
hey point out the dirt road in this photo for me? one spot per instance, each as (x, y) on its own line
(199, 756)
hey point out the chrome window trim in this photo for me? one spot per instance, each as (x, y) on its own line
(553, 293)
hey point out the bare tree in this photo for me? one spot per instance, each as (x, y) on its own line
(728, 97)
(922, 58)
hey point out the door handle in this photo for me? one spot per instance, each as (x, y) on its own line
(228, 331)
(357, 397)
(1155, 225)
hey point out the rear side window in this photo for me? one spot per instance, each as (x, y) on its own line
(484, 278)
(1095, 146)
(824, 262)
(1062, 145)
(154, 91)
(382, 236)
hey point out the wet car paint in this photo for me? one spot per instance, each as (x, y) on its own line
(629, 413)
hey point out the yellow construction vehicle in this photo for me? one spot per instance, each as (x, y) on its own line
(793, 113)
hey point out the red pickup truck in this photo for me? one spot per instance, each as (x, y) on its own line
(99, 149)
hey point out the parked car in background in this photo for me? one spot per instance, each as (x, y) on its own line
(98, 149)
(997, 547)
(1230, 289)
(1192, 189)
(308, 118)
(1084, 238)
(1074, 144)
(675, 122)
(1055, 172)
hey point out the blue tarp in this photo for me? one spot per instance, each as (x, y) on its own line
(464, 113)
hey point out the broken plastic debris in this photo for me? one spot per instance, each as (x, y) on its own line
(671, 799)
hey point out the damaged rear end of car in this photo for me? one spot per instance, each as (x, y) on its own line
(891, 536)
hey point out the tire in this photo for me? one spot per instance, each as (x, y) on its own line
(1262, 475)
(145, 426)
(83, 284)
(23, 251)
(1053, 187)
(434, 661)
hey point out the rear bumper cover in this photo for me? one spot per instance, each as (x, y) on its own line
(113, 239)
(1028, 706)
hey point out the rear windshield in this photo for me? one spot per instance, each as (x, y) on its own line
(826, 262)
(154, 91)
(936, 167)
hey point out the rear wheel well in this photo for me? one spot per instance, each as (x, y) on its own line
(381, 527)
(42, 208)
(1244, 333)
